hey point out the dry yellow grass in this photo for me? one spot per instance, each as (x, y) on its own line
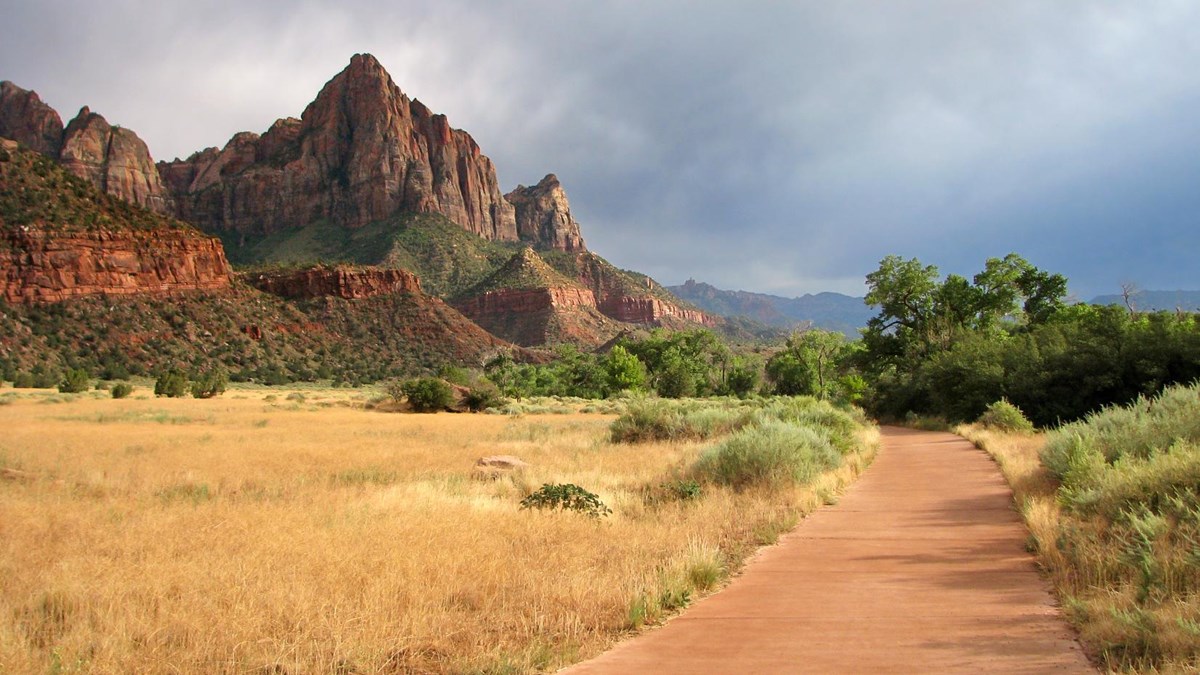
(242, 534)
(1116, 628)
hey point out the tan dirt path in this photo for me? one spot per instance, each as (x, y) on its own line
(919, 568)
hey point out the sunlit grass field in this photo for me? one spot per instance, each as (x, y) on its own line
(270, 531)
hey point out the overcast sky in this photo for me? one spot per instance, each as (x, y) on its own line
(781, 147)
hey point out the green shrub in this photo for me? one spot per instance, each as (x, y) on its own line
(771, 454)
(210, 384)
(1145, 427)
(75, 381)
(1005, 416)
(172, 384)
(23, 380)
(483, 396)
(566, 497)
(427, 394)
(664, 420)
(682, 490)
(122, 389)
(839, 424)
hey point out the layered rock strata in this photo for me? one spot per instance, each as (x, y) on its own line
(38, 266)
(343, 282)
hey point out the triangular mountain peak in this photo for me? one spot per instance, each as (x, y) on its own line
(526, 270)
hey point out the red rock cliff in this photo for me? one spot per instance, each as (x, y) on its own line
(618, 297)
(510, 301)
(27, 120)
(40, 266)
(113, 159)
(544, 215)
(360, 152)
(342, 282)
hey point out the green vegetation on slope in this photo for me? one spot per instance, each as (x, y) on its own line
(446, 258)
(255, 336)
(36, 191)
(525, 270)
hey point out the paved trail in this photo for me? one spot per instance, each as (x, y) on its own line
(920, 567)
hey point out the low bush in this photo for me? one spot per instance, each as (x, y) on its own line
(76, 380)
(172, 384)
(1126, 550)
(1004, 416)
(772, 454)
(663, 420)
(1147, 426)
(426, 394)
(121, 390)
(566, 497)
(483, 396)
(841, 424)
(210, 384)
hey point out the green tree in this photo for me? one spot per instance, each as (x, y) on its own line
(810, 364)
(625, 371)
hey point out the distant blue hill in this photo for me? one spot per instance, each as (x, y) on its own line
(1154, 301)
(829, 311)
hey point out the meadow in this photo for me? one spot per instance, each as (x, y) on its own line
(303, 532)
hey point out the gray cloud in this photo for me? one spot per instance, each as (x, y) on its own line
(782, 147)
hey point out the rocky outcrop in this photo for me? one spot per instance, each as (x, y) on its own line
(646, 309)
(27, 120)
(507, 302)
(544, 215)
(361, 152)
(343, 282)
(37, 265)
(113, 159)
(530, 303)
(632, 298)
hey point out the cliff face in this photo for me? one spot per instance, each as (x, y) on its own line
(544, 215)
(26, 119)
(620, 296)
(40, 266)
(60, 238)
(646, 309)
(342, 282)
(113, 159)
(509, 301)
(360, 152)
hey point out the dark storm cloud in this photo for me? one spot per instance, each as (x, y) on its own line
(772, 146)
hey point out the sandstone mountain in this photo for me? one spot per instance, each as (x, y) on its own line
(366, 176)
(361, 152)
(530, 303)
(60, 238)
(111, 158)
(544, 215)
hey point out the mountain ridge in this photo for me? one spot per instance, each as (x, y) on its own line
(826, 310)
